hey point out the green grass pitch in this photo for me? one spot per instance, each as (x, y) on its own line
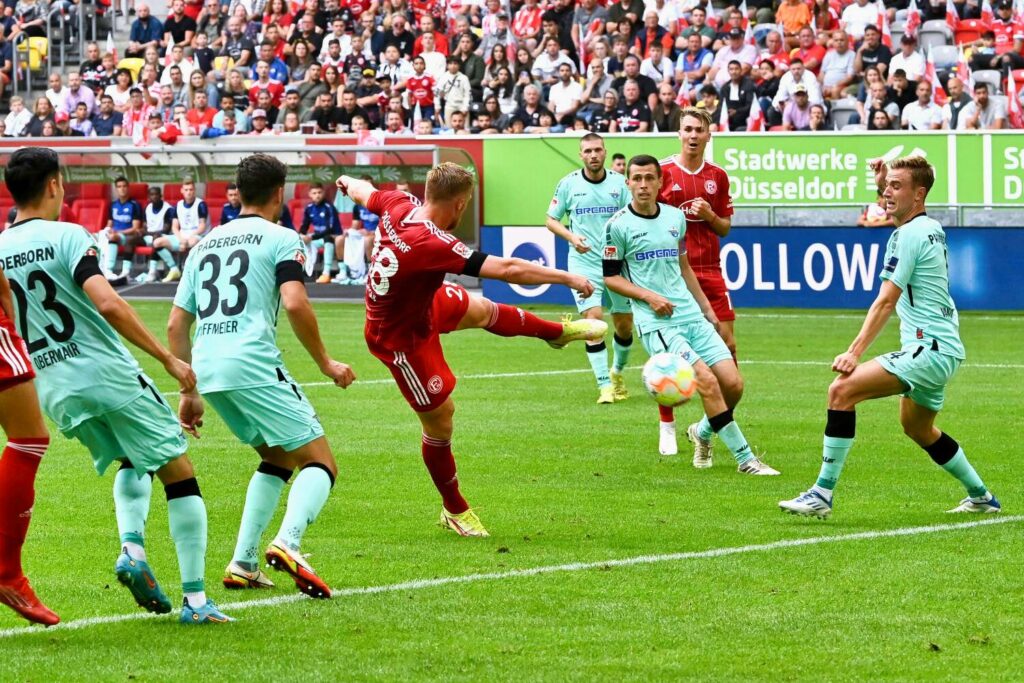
(559, 480)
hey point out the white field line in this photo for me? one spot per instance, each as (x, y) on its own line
(421, 584)
(579, 371)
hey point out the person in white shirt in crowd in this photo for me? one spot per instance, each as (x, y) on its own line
(658, 67)
(395, 68)
(57, 91)
(909, 59)
(18, 118)
(564, 96)
(983, 113)
(735, 50)
(797, 75)
(179, 60)
(338, 33)
(837, 67)
(923, 114)
(858, 15)
(545, 67)
(957, 99)
(434, 60)
(454, 90)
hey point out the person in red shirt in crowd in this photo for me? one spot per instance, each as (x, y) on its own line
(200, 116)
(356, 8)
(264, 83)
(652, 33)
(701, 190)
(775, 52)
(809, 51)
(427, 8)
(427, 26)
(1009, 32)
(527, 24)
(421, 89)
(409, 305)
(272, 34)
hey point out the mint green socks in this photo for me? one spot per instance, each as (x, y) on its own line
(620, 352)
(260, 503)
(840, 428)
(186, 515)
(131, 507)
(729, 432)
(948, 455)
(305, 501)
(597, 354)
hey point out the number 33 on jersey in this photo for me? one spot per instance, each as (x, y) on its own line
(231, 284)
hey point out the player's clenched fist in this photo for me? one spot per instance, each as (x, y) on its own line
(881, 171)
(845, 363)
(702, 210)
(581, 285)
(340, 373)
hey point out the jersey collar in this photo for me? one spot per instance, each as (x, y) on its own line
(678, 161)
(657, 212)
(23, 222)
(604, 176)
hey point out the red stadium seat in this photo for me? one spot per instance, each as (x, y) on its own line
(216, 190)
(4, 192)
(143, 251)
(297, 207)
(93, 191)
(301, 191)
(215, 207)
(345, 218)
(969, 30)
(139, 192)
(91, 213)
(172, 192)
(5, 206)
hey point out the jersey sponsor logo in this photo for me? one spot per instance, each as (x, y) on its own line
(890, 267)
(611, 253)
(711, 186)
(656, 254)
(594, 210)
(435, 384)
(462, 250)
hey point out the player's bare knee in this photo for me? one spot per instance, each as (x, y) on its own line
(841, 394)
(623, 326)
(595, 313)
(707, 383)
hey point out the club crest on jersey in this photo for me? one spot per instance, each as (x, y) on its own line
(611, 253)
(674, 233)
(711, 186)
(462, 250)
(614, 195)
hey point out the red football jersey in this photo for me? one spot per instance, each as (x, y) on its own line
(410, 260)
(421, 90)
(679, 188)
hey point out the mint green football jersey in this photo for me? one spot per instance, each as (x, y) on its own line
(588, 205)
(230, 285)
(648, 249)
(83, 368)
(917, 261)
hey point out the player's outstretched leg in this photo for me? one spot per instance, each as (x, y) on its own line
(261, 501)
(436, 448)
(919, 424)
(186, 515)
(309, 493)
(512, 321)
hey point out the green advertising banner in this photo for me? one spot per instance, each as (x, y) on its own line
(774, 169)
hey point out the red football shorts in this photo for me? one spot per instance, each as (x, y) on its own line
(713, 285)
(423, 375)
(15, 366)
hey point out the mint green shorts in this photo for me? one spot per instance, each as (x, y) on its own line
(602, 296)
(923, 371)
(146, 432)
(271, 415)
(693, 341)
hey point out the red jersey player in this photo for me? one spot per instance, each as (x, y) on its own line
(701, 190)
(27, 441)
(409, 305)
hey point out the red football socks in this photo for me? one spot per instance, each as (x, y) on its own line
(666, 414)
(511, 321)
(18, 467)
(437, 456)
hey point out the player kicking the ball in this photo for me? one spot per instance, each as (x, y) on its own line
(234, 283)
(92, 387)
(915, 283)
(643, 261)
(701, 190)
(409, 305)
(27, 441)
(589, 196)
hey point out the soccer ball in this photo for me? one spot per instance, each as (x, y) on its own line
(669, 379)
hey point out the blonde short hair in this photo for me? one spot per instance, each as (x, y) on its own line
(702, 114)
(922, 174)
(448, 181)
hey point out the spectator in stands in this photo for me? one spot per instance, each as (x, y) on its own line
(18, 118)
(797, 114)
(958, 99)
(120, 91)
(343, 116)
(149, 85)
(776, 52)
(818, 122)
(29, 18)
(698, 25)
(311, 87)
(738, 95)
(792, 16)
(875, 215)
(400, 36)
(735, 50)
(983, 113)
(202, 54)
(62, 122)
(211, 23)
(57, 90)
(531, 109)
(107, 121)
(692, 65)
(665, 116)
(545, 66)
(264, 102)
(837, 68)
(648, 88)
(501, 36)
(146, 31)
(322, 113)
(710, 103)
(396, 70)
(235, 88)
(651, 34)
(228, 104)
(80, 122)
(881, 120)
(1009, 33)
(903, 91)
(872, 52)
(331, 79)
(305, 30)
(766, 89)
(826, 19)
(259, 123)
(470, 64)
(908, 59)
(179, 28)
(91, 67)
(123, 229)
(299, 60)
(237, 48)
(809, 52)
(225, 123)
(454, 90)
(200, 116)
(499, 119)
(137, 115)
(526, 25)
(76, 93)
(616, 65)
(657, 66)
(151, 57)
(49, 129)
(43, 113)
(565, 96)
(922, 114)
(165, 105)
(290, 104)
(263, 83)
(796, 75)
(858, 15)
(177, 84)
(879, 101)
(498, 58)
(394, 125)
(359, 58)
(625, 17)
(733, 19)
(369, 95)
(633, 114)
(598, 82)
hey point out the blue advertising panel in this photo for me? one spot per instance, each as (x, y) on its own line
(803, 267)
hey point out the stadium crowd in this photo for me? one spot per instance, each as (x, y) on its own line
(260, 67)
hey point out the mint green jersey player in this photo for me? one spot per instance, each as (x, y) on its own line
(589, 205)
(646, 250)
(231, 285)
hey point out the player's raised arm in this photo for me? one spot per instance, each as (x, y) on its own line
(520, 272)
(123, 318)
(357, 190)
(303, 320)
